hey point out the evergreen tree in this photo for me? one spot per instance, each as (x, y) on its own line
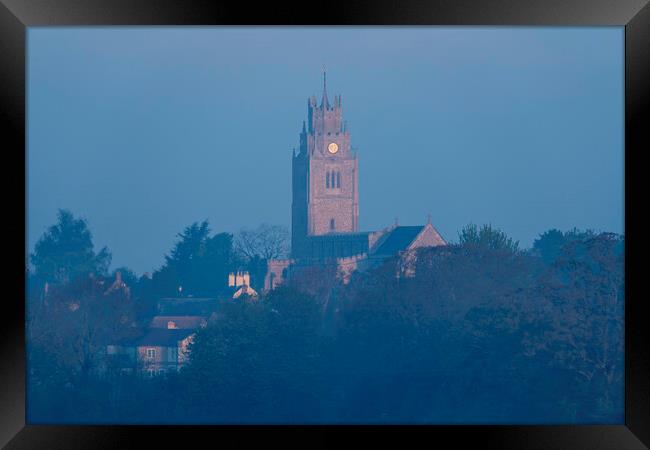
(66, 251)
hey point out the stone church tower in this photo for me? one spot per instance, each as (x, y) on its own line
(325, 176)
(325, 207)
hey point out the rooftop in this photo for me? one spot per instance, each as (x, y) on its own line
(181, 322)
(399, 239)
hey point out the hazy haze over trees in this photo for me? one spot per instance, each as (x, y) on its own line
(483, 333)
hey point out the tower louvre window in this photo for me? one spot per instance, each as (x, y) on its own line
(338, 179)
(332, 225)
(327, 180)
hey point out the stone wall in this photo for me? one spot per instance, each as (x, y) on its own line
(276, 272)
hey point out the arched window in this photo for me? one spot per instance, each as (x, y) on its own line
(338, 179)
(332, 227)
(327, 180)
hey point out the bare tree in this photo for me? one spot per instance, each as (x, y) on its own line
(266, 242)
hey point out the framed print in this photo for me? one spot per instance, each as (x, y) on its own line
(392, 219)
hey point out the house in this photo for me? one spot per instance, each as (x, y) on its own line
(239, 283)
(239, 278)
(187, 306)
(178, 322)
(245, 290)
(163, 349)
(158, 351)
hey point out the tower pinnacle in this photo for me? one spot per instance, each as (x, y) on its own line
(325, 102)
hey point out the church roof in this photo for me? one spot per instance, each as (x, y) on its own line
(399, 239)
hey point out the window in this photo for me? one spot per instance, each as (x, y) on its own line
(327, 182)
(151, 372)
(332, 225)
(151, 353)
(338, 179)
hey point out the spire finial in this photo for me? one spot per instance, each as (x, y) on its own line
(429, 219)
(325, 102)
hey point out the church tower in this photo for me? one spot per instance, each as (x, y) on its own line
(325, 176)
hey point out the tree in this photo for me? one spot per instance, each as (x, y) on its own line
(69, 331)
(128, 276)
(266, 242)
(66, 251)
(257, 361)
(255, 247)
(486, 237)
(198, 262)
(549, 244)
(582, 302)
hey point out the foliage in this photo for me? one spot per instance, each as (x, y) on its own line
(69, 329)
(481, 333)
(266, 242)
(66, 251)
(254, 248)
(198, 264)
(252, 347)
(549, 244)
(486, 237)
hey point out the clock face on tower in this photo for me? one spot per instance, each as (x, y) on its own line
(333, 148)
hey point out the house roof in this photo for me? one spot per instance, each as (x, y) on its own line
(245, 290)
(181, 322)
(190, 306)
(398, 240)
(163, 337)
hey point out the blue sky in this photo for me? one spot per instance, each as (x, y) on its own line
(144, 130)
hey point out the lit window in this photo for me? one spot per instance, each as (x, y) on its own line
(151, 353)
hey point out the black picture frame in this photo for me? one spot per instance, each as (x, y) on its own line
(17, 15)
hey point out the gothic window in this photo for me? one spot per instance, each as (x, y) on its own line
(338, 179)
(332, 227)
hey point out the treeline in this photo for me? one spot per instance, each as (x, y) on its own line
(197, 264)
(484, 332)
